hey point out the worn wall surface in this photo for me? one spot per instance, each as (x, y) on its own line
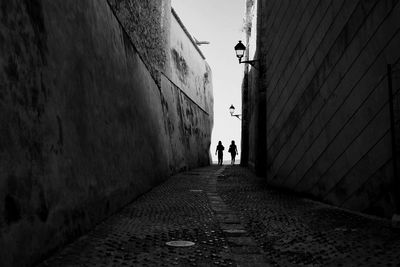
(324, 67)
(188, 70)
(147, 22)
(188, 127)
(186, 83)
(85, 127)
(179, 68)
(253, 96)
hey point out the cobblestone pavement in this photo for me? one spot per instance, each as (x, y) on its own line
(234, 219)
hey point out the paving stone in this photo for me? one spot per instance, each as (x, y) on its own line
(292, 231)
(228, 218)
(250, 260)
(206, 206)
(231, 226)
(241, 241)
(245, 250)
(235, 232)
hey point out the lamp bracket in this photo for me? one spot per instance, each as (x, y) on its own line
(251, 62)
(237, 116)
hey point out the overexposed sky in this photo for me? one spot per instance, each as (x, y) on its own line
(220, 22)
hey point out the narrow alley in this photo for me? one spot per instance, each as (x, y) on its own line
(112, 113)
(232, 218)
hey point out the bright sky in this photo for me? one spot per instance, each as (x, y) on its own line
(220, 22)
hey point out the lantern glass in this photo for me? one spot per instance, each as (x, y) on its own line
(239, 49)
(239, 53)
(232, 110)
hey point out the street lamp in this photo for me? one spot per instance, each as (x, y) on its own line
(232, 110)
(239, 49)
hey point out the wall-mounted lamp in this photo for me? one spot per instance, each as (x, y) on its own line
(232, 110)
(239, 49)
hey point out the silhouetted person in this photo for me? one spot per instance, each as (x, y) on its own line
(233, 151)
(219, 149)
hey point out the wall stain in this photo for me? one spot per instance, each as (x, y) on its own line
(35, 96)
(42, 211)
(180, 63)
(60, 141)
(35, 11)
(11, 70)
(58, 147)
(12, 210)
(43, 88)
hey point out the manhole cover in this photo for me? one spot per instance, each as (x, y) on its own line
(180, 243)
(196, 190)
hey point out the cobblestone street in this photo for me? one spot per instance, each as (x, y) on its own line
(234, 219)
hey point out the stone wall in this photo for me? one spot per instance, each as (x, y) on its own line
(253, 96)
(188, 70)
(188, 127)
(147, 22)
(187, 87)
(85, 125)
(323, 65)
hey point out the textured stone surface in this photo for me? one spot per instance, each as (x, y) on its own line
(147, 23)
(293, 231)
(166, 47)
(188, 70)
(188, 127)
(138, 234)
(281, 229)
(184, 77)
(84, 125)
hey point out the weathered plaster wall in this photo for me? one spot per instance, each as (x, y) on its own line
(180, 70)
(188, 70)
(84, 125)
(328, 121)
(147, 23)
(188, 127)
(187, 87)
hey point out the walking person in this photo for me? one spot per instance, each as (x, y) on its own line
(219, 150)
(233, 151)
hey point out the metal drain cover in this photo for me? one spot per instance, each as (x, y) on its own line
(180, 243)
